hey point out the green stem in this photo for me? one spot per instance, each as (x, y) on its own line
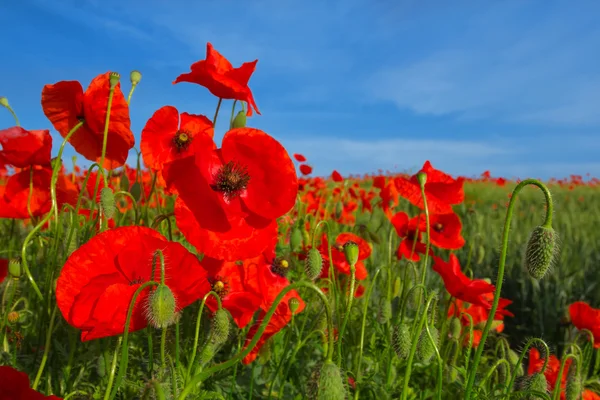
(197, 332)
(46, 350)
(163, 344)
(217, 113)
(530, 342)
(232, 114)
(160, 394)
(347, 314)
(280, 363)
(500, 278)
(439, 359)
(557, 387)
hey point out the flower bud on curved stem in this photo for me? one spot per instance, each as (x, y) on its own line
(5, 104)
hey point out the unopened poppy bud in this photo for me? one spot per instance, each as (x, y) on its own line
(455, 328)
(101, 366)
(422, 178)
(401, 340)
(305, 236)
(14, 267)
(294, 304)
(331, 384)
(351, 252)
(314, 264)
(397, 287)
(124, 183)
(113, 79)
(207, 353)
(480, 254)
(107, 202)
(513, 359)
(135, 77)
(540, 252)
(220, 327)
(4, 102)
(240, 120)
(13, 317)
(296, 240)
(537, 383)
(70, 238)
(385, 311)
(161, 307)
(574, 388)
(426, 349)
(136, 191)
(265, 353)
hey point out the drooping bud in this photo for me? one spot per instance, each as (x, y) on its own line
(240, 120)
(220, 327)
(574, 388)
(160, 311)
(135, 77)
(294, 304)
(113, 79)
(537, 383)
(513, 359)
(107, 202)
(540, 252)
(4, 102)
(351, 252)
(426, 349)
(14, 267)
(314, 264)
(296, 240)
(330, 383)
(401, 340)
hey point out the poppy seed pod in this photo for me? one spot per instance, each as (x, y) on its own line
(294, 304)
(113, 79)
(296, 240)
(135, 77)
(4, 102)
(239, 121)
(425, 348)
(314, 264)
(401, 340)
(351, 252)
(220, 327)
(161, 307)
(107, 202)
(538, 383)
(422, 178)
(540, 252)
(14, 268)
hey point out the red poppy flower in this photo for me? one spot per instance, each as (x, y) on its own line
(65, 104)
(444, 230)
(3, 269)
(218, 75)
(306, 169)
(388, 194)
(536, 363)
(14, 385)
(21, 148)
(585, 317)
(441, 190)
(234, 192)
(299, 157)
(99, 279)
(167, 136)
(336, 176)
(410, 231)
(459, 286)
(339, 258)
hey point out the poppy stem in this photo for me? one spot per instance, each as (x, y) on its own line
(437, 355)
(30, 195)
(500, 277)
(46, 349)
(159, 253)
(217, 112)
(558, 386)
(232, 114)
(9, 108)
(191, 385)
(348, 311)
(163, 344)
(422, 177)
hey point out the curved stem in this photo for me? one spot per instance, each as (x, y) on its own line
(440, 363)
(217, 112)
(557, 387)
(197, 333)
(493, 369)
(500, 277)
(513, 376)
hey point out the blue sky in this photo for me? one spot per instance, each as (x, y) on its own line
(507, 86)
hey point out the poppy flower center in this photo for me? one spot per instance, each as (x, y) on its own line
(413, 235)
(438, 227)
(182, 140)
(280, 266)
(219, 286)
(136, 281)
(231, 179)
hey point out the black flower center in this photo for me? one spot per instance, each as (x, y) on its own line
(231, 179)
(280, 266)
(219, 285)
(438, 227)
(182, 140)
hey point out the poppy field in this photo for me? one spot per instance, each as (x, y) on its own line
(227, 270)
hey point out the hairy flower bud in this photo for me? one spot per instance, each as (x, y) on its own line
(536, 382)
(314, 264)
(296, 240)
(574, 388)
(513, 359)
(4, 102)
(135, 77)
(401, 340)
(239, 121)
(160, 311)
(426, 349)
(351, 252)
(220, 327)
(107, 202)
(455, 328)
(540, 252)
(14, 267)
(207, 353)
(385, 311)
(329, 383)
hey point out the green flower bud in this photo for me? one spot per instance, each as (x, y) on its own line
(135, 77)
(574, 388)
(207, 353)
(330, 386)
(220, 327)
(239, 121)
(294, 304)
(160, 311)
(513, 359)
(541, 251)
(136, 191)
(101, 366)
(422, 178)
(351, 252)
(385, 311)
(124, 184)
(113, 79)
(296, 240)
(401, 340)
(480, 254)
(14, 267)
(426, 349)
(536, 382)
(314, 264)
(455, 328)
(107, 202)
(4, 102)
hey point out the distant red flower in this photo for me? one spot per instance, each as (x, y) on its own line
(441, 190)
(445, 230)
(218, 75)
(65, 104)
(583, 316)
(22, 148)
(306, 169)
(336, 176)
(459, 286)
(338, 257)
(299, 157)
(167, 136)
(409, 230)
(3, 269)
(98, 281)
(233, 193)
(14, 385)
